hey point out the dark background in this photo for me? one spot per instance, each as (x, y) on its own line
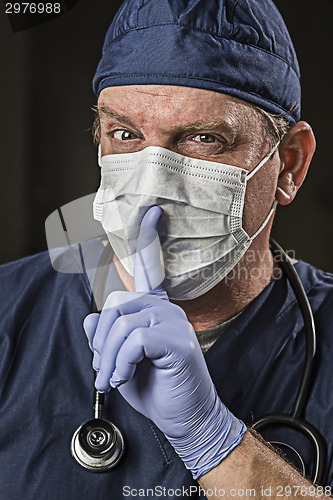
(47, 154)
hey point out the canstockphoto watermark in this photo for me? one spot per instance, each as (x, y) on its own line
(254, 265)
(307, 491)
(24, 15)
(189, 491)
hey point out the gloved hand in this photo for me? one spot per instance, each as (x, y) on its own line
(144, 346)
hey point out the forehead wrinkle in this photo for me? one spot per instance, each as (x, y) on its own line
(158, 91)
(156, 94)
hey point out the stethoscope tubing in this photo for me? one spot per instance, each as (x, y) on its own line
(294, 419)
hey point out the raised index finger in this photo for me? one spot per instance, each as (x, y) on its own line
(149, 267)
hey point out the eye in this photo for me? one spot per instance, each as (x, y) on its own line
(206, 138)
(123, 135)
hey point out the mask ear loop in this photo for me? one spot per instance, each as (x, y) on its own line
(251, 174)
(263, 161)
(266, 220)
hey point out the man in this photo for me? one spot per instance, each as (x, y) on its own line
(190, 149)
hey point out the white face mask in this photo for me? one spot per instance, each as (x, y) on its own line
(201, 233)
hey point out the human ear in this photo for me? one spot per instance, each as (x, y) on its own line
(296, 151)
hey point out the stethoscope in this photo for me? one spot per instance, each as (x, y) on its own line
(98, 445)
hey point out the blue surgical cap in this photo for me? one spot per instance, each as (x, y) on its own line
(238, 47)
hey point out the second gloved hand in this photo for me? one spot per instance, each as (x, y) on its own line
(145, 346)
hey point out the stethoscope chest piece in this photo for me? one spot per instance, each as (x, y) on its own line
(97, 445)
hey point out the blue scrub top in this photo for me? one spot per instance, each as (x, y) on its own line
(46, 385)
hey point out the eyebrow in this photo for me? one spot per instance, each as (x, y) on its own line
(214, 124)
(115, 116)
(196, 126)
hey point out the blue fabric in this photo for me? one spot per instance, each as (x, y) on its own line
(238, 47)
(46, 383)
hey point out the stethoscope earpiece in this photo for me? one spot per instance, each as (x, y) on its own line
(97, 445)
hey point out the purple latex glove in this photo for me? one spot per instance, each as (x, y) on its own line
(144, 346)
